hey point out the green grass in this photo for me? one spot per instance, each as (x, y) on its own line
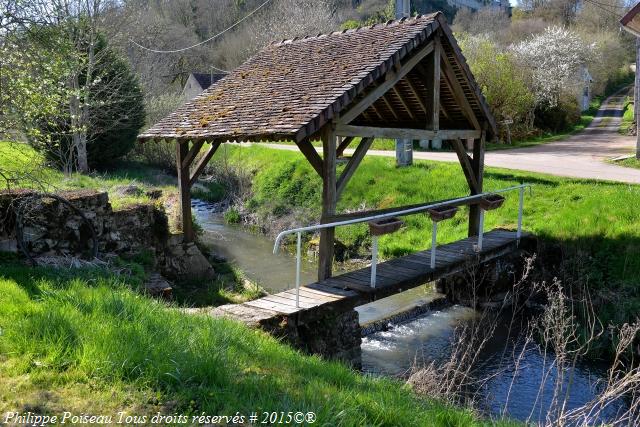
(21, 161)
(630, 162)
(627, 117)
(599, 219)
(86, 343)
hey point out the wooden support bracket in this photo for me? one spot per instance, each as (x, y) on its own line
(312, 156)
(467, 168)
(353, 164)
(202, 163)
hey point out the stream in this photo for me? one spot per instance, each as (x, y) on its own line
(516, 390)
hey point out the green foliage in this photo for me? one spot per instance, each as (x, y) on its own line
(115, 112)
(502, 82)
(558, 118)
(232, 216)
(63, 333)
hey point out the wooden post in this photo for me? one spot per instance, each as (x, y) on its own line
(477, 164)
(329, 198)
(184, 189)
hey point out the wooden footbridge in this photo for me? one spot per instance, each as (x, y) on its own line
(346, 291)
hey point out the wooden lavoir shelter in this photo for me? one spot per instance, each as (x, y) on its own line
(402, 79)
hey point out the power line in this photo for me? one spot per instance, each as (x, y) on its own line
(599, 5)
(204, 41)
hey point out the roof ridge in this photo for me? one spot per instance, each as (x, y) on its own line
(389, 23)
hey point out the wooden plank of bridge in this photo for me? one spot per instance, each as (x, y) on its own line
(353, 288)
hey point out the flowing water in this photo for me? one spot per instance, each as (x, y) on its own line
(518, 387)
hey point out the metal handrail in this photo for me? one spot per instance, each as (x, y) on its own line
(409, 211)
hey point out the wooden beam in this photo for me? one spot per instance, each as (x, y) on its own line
(353, 164)
(433, 86)
(404, 104)
(375, 110)
(191, 155)
(184, 192)
(478, 169)
(202, 163)
(329, 199)
(405, 133)
(458, 93)
(389, 106)
(312, 156)
(421, 69)
(416, 95)
(343, 145)
(391, 79)
(465, 162)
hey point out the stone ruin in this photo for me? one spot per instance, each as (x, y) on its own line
(127, 231)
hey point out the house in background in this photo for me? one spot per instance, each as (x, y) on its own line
(197, 83)
(585, 95)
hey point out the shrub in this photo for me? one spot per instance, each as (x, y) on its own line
(115, 114)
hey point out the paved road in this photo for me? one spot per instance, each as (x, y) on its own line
(579, 156)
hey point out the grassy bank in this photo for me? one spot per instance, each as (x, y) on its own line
(83, 341)
(598, 219)
(627, 117)
(28, 169)
(631, 162)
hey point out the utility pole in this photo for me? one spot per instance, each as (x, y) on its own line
(404, 147)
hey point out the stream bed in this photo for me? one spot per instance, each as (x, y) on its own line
(516, 390)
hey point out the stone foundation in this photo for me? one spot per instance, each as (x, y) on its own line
(128, 231)
(336, 336)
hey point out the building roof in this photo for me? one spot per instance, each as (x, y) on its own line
(292, 88)
(631, 21)
(207, 79)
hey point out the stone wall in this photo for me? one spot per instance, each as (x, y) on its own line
(131, 230)
(336, 335)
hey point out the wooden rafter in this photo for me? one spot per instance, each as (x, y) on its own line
(197, 171)
(353, 164)
(391, 79)
(389, 106)
(458, 93)
(312, 156)
(415, 94)
(404, 104)
(375, 110)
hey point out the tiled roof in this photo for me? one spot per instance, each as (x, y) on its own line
(290, 89)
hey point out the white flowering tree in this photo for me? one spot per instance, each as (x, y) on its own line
(554, 59)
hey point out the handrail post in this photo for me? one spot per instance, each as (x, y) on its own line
(434, 233)
(374, 260)
(481, 230)
(298, 260)
(520, 213)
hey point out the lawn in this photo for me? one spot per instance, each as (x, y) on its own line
(28, 169)
(83, 341)
(630, 162)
